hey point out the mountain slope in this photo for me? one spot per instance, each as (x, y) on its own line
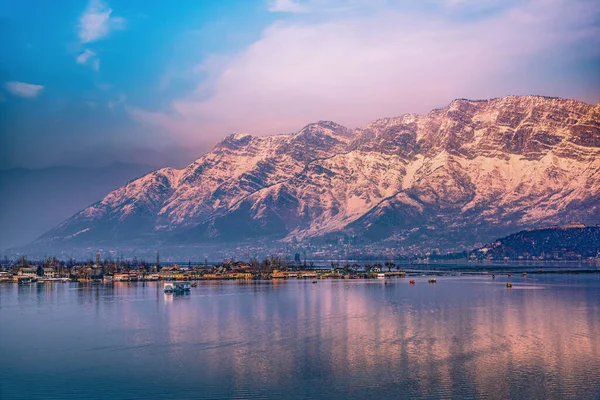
(465, 173)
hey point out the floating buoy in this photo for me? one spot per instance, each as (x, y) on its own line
(509, 275)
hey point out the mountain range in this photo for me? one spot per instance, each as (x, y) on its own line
(460, 175)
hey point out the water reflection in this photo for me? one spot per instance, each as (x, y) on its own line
(461, 337)
(489, 342)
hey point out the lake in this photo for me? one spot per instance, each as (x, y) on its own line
(462, 337)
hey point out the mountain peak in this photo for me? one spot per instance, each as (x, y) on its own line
(328, 128)
(235, 140)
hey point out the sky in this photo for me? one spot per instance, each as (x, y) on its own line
(159, 83)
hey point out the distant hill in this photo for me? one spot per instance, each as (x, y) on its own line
(35, 200)
(558, 243)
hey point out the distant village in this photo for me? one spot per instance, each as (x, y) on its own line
(107, 271)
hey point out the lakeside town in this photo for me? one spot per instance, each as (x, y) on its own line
(52, 269)
(271, 268)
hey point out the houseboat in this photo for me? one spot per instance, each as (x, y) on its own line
(20, 279)
(177, 287)
(152, 277)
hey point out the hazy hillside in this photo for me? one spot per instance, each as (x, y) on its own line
(35, 200)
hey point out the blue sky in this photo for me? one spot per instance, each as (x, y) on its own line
(160, 82)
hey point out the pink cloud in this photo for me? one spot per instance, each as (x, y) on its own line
(353, 69)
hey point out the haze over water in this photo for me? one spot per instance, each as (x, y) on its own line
(464, 337)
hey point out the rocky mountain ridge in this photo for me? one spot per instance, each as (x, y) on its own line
(468, 172)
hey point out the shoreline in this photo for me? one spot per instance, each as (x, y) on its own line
(492, 274)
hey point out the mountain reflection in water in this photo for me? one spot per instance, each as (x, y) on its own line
(464, 337)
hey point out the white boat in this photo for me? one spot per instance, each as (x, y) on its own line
(177, 287)
(380, 275)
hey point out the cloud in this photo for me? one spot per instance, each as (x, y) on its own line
(88, 57)
(287, 6)
(96, 65)
(23, 89)
(97, 22)
(353, 67)
(94, 24)
(113, 103)
(85, 56)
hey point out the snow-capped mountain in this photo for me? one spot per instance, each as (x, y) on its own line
(467, 172)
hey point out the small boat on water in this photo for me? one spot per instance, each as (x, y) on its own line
(194, 284)
(381, 275)
(524, 274)
(509, 285)
(432, 280)
(177, 287)
(412, 282)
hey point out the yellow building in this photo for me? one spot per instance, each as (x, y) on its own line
(279, 274)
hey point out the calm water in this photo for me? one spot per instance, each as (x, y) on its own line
(464, 337)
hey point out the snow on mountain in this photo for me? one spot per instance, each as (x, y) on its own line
(473, 167)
